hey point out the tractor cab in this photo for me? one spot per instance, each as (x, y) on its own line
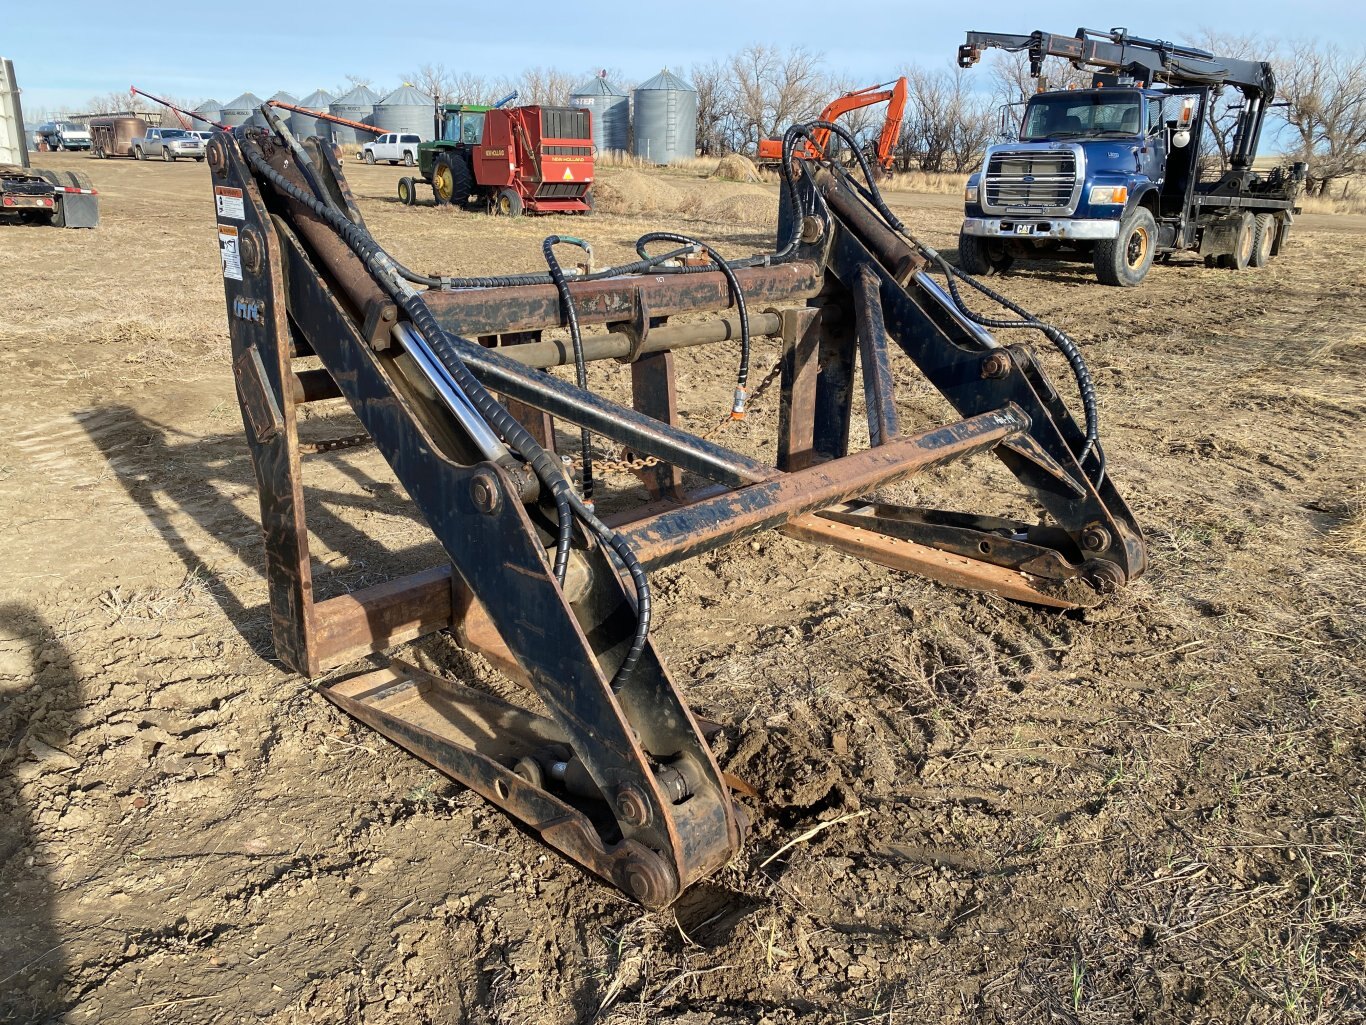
(463, 124)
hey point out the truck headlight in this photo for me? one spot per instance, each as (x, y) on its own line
(970, 192)
(1115, 195)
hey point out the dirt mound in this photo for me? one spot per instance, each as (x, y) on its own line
(631, 192)
(740, 205)
(736, 168)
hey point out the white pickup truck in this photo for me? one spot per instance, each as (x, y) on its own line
(168, 143)
(393, 147)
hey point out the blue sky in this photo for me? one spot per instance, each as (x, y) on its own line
(198, 50)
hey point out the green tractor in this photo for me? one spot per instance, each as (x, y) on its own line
(515, 159)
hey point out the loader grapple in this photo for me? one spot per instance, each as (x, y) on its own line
(614, 770)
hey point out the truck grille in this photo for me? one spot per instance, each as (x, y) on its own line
(1028, 179)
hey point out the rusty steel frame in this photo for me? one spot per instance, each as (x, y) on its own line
(617, 774)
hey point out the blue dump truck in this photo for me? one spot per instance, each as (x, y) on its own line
(1120, 173)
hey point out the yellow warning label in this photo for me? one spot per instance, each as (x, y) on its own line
(568, 174)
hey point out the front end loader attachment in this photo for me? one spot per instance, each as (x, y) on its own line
(447, 378)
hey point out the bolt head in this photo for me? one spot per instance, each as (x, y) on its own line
(632, 808)
(1095, 539)
(995, 366)
(484, 492)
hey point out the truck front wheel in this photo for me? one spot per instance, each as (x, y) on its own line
(982, 256)
(1125, 259)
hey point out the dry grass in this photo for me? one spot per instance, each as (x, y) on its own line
(1333, 204)
(935, 182)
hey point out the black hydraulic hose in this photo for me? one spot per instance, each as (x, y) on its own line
(571, 318)
(567, 504)
(1061, 341)
(360, 242)
(737, 297)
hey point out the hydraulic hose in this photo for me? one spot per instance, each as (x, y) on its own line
(1064, 344)
(567, 504)
(737, 297)
(571, 318)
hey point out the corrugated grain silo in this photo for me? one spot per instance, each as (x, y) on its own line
(406, 109)
(211, 109)
(302, 125)
(357, 105)
(239, 111)
(611, 112)
(666, 119)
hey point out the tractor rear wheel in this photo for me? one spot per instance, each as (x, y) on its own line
(508, 203)
(452, 180)
(1263, 238)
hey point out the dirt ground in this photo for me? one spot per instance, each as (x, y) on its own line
(1151, 811)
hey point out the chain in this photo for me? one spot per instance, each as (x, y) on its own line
(627, 464)
(622, 464)
(333, 444)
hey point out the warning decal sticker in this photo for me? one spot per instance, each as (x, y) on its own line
(229, 202)
(227, 249)
(568, 175)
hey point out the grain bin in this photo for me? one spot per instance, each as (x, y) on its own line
(611, 112)
(211, 109)
(666, 119)
(406, 110)
(239, 111)
(302, 125)
(357, 105)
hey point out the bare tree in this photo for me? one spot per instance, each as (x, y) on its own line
(435, 80)
(356, 82)
(714, 102)
(547, 86)
(926, 129)
(772, 90)
(947, 125)
(1324, 89)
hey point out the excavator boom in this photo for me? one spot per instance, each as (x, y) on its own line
(771, 150)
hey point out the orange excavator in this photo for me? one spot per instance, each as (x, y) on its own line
(771, 150)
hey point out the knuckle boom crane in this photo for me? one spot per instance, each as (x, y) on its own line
(1116, 172)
